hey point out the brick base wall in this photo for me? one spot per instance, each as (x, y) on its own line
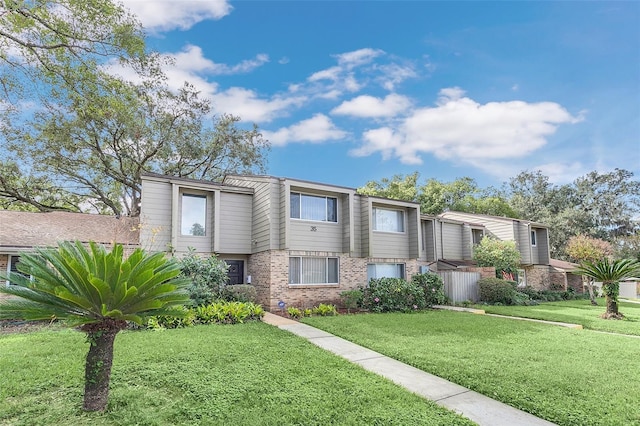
(270, 275)
(538, 277)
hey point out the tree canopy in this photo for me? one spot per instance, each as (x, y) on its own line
(94, 132)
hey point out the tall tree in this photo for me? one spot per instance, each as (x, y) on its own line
(97, 290)
(436, 197)
(95, 133)
(582, 249)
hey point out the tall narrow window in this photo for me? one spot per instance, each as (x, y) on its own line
(194, 215)
(534, 237)
(388, 220)
(313, 207)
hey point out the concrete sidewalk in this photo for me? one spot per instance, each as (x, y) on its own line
(479, 408)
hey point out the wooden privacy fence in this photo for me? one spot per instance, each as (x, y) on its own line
(460, 286)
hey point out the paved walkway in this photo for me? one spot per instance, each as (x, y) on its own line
(477, 407)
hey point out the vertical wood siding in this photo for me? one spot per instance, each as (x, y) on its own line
(235, 223)
(155, 216)
(460, 286)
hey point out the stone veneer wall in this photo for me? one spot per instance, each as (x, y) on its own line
(269, 272)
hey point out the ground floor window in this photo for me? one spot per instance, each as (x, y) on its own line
(521, 278)
(385, 270)
(12, 265)
(313, 270)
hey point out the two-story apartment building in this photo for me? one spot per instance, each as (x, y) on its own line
(297, 242)
(531, 238)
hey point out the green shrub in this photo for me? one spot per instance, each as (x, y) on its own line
(351, 299)
(184, 318)
(294, 312)
(208, 277)
(325, 310)
(433, 287)
(393, 294)
(241, 293)
(307, 312)
(496, 290)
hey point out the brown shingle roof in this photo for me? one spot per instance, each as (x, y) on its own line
(28, 229)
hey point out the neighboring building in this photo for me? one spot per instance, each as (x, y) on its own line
(297, 242)
(531, 238)
(20, 232)
(563, 277)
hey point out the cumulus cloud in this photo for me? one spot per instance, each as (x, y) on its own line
(251, 107)
(394, 74)
(372, 107)
(167, 15)
(192, 59)
(461, 129)
(316, 129)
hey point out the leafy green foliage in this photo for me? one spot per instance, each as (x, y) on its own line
(351, 299)
(324, 310)
(502, 255)
(294, 312)
(83, 285)
(241, 293)
(208, 277)
(433, 287)
(610, 273)
(393, 294)
(220, 312)
(496, 290)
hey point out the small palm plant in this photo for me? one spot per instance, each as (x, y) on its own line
(98, 291)
(610, 273)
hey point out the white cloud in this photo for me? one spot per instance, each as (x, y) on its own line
(394, 74)
(358, 57)
(316, 129)
(369, 106)
(460, 129)
(166, 15)
(192, 59)
(328, 74)
(250, 107)
(561, 173)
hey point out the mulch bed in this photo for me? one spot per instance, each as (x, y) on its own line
(14, 326)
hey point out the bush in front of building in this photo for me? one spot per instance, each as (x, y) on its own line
(393, 294)
(433, 287)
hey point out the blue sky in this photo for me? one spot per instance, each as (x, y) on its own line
(349, 92)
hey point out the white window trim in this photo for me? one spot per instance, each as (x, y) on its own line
(317, 196)
(206, 211)
(404, 220)
(326, 270)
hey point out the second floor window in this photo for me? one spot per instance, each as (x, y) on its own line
(194, 215)
(534, 237)
(387, 220)
(314, 207)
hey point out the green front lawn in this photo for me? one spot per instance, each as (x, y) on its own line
(210, 375)
(576, 312)
(567, 376)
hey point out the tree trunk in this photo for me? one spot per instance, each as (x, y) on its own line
(592, 296)
(611, 294)
(97, 371)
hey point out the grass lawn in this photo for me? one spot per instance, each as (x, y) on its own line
(567, 376)
(209, 375)
(576, 312)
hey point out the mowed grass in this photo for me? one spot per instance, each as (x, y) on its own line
(567, 376)
(209, 375)
(576, 312)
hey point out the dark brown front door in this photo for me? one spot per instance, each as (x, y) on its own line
(236, 271)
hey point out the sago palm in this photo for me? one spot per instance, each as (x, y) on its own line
(96, 290)
(610, 273)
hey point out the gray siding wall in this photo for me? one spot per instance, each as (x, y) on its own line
(389, 244)
(540, 253)
(235, 215)
(345, 214)
(438, 238)
(428, 240)
(155, 216)
(326, 237)
(451, 241)
(365, 223)
(499, 228)
(413, 228)
(523, 242)
(358, 251)
(467, 243)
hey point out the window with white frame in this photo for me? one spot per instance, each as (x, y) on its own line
(12, 265)
(388, 220)
(314, 207)
(313, 270)
(194, 215)
(385, 270)
(534, 237)
(477, 235)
